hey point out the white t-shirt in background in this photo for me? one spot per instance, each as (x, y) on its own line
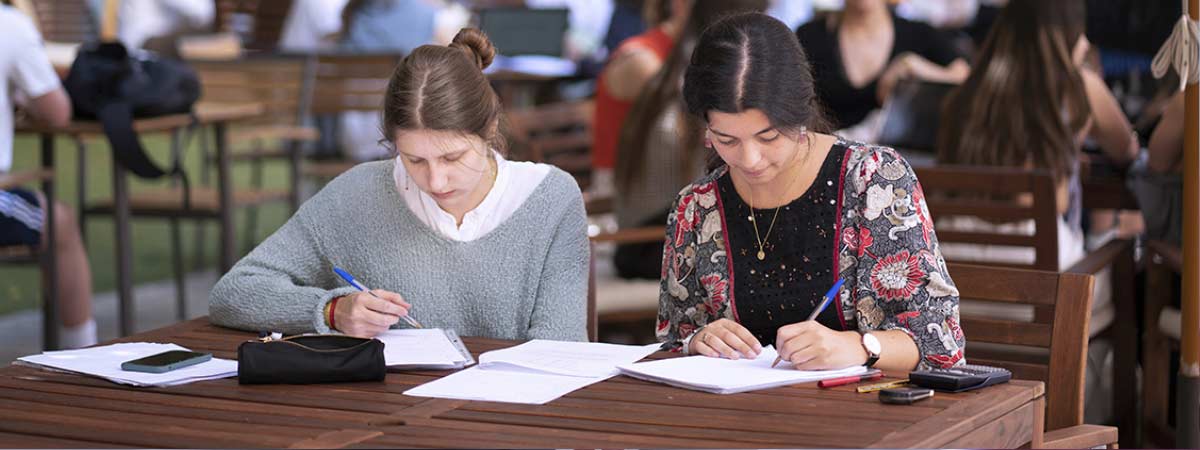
(24, 69)
(142, 20)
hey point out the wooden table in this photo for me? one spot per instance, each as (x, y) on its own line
(40, 408)
(206, 114)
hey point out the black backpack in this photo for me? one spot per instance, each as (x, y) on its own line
(108, 83)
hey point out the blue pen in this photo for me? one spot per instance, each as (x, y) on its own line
(825, 301)
(350, 279)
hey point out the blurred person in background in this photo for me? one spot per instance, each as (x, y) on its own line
(859, 53)
(659, 148)
(380, 27)
(1030, 102)
(156, 25)
(312, 26)
(630, 66)
(27, 80)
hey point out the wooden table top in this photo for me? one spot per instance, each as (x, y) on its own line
(206, 113)
(41, 408)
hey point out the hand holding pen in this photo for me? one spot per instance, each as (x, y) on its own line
(369, 312)
(809, 345)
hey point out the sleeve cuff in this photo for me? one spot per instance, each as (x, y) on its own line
(687, 342)
(318, 311)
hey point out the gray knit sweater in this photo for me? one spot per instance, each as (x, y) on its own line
(525, 279)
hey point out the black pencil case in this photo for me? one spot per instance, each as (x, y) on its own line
(310, 359)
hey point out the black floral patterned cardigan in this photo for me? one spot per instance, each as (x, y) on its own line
(885, 249)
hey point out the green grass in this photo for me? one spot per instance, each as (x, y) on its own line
(20, 284)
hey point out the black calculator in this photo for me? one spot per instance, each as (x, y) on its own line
(961, 378)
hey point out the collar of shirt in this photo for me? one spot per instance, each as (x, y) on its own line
(476, 222)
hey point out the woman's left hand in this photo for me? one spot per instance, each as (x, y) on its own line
(811, 346)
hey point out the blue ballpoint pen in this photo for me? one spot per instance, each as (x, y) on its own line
(825, 301)
(350, 279)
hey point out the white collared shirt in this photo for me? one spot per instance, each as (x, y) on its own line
(515, 181)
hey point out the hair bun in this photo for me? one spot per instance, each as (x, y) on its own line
(476, 44)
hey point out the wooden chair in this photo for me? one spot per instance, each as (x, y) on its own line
(559, 134)
(1160, 340)
(1052, 348)
(980, 193)
(348, 83)
(282, 84)
(43, 257)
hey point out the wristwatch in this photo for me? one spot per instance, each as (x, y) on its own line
(871, 344)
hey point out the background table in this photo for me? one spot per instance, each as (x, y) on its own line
(219, 116)
(41, 408)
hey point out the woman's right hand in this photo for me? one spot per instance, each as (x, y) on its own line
(725, 338)
(364, 315)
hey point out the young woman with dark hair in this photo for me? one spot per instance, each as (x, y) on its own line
(448, 229)
(788, 210)
(857, 56)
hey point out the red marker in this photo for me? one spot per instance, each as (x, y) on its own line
(835, 382)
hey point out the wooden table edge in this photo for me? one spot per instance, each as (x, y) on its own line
(954, 422)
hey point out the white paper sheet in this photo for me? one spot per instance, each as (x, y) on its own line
(725, 376)
(105, 362)
(513, 385)
(535, 372)
(577, 359)
(420, 347)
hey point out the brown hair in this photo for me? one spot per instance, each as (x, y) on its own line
(1024, 101)
(443, 88)
(666, 88)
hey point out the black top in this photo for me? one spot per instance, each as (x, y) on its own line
(847, 104)
(788, 283)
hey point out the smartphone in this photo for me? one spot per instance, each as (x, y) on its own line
(904, 395)
(166, 361)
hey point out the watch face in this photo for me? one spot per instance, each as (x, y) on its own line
(871, 343)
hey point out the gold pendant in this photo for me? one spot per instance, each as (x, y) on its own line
(761, 255)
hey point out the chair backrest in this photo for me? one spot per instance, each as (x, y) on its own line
(556, 133)
(1051, 348)
(65, 20)
(280, 83)
(348, 82)
(993, 195)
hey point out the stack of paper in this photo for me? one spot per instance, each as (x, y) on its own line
(726, 376)
(535, 372)
(105, 362)
(424, 348)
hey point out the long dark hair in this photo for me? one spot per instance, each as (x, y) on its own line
(664, 90)
(1010, 110)
(753, 61)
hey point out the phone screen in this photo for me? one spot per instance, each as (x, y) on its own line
(167, 358)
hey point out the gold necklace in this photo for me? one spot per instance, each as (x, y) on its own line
(762, 253)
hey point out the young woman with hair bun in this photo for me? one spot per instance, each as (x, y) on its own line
(447, 230)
